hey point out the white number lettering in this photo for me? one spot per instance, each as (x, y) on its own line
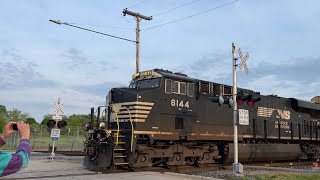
(178, 103)
(187, 104)
(173, 102)
(181, 104)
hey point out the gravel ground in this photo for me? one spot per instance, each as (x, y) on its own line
(252, 173)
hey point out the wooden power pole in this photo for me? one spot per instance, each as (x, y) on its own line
(138, 18)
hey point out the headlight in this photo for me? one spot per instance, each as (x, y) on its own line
(102, 125)
(88, 125)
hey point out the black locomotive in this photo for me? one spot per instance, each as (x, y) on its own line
(166, 118)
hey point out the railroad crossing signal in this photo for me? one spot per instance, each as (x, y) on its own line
(57, 116)
(51, 124)
(244, 59)
(58, 110)
(222, 100)
(61, 124)
(248, 97)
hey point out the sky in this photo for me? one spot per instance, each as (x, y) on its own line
(41, 61)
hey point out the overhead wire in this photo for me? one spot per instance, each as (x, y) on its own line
(117, 37)
(126, 19)
(138, 4)
(187, 17)
(182, 5)
(102, 26)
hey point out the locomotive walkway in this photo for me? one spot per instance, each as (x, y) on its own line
(64, 167)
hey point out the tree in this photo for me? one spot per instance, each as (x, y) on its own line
(78, 120)
(31, 121)
(3, 113)
(16, 115)
(46, 118)
(2, 124)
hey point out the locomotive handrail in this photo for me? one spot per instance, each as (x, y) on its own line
(117, 141)
(132, 131)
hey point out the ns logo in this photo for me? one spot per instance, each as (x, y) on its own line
(269, 112)
(283, 114)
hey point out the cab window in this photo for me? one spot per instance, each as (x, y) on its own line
(148, 83)
(178, 87)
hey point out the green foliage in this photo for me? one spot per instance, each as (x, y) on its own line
(16, 115)
(78, 120)
(3, 111)
(45, 119)
(291, 176)
(2, 124)
(13, 115)
(31, 121)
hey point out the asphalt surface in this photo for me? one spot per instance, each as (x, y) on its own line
(70, 167)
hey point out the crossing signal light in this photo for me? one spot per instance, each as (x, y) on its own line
(253, 99)
(222, 100)
(51, 124)
(62, 124)
(246, 97)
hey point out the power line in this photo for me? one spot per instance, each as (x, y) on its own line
(102, 26)
(65, 23)
(175, 8)
(137, 4)
(187, 17)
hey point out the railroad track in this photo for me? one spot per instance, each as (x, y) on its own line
(66, 153)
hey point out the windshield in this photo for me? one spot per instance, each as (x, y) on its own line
(148, 83)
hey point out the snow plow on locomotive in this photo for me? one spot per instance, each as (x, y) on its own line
(166, 118)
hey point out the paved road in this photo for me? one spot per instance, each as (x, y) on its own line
(72, 168)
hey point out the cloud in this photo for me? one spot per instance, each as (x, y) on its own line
(39, 4)
(39, 101)
(13, 53)
(297, 69)
(76, 58)
(296, 77)
(213, 66)
(32, 93)
(104, 65)
(16, 71)
(100, 90)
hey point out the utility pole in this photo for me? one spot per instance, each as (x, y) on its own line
(237, 167)
(138, 19)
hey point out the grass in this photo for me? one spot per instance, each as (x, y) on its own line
(7, 148)
(64, 142)
(288, 176)
(42, 142)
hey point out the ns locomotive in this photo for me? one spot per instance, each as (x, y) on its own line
(170, 119)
